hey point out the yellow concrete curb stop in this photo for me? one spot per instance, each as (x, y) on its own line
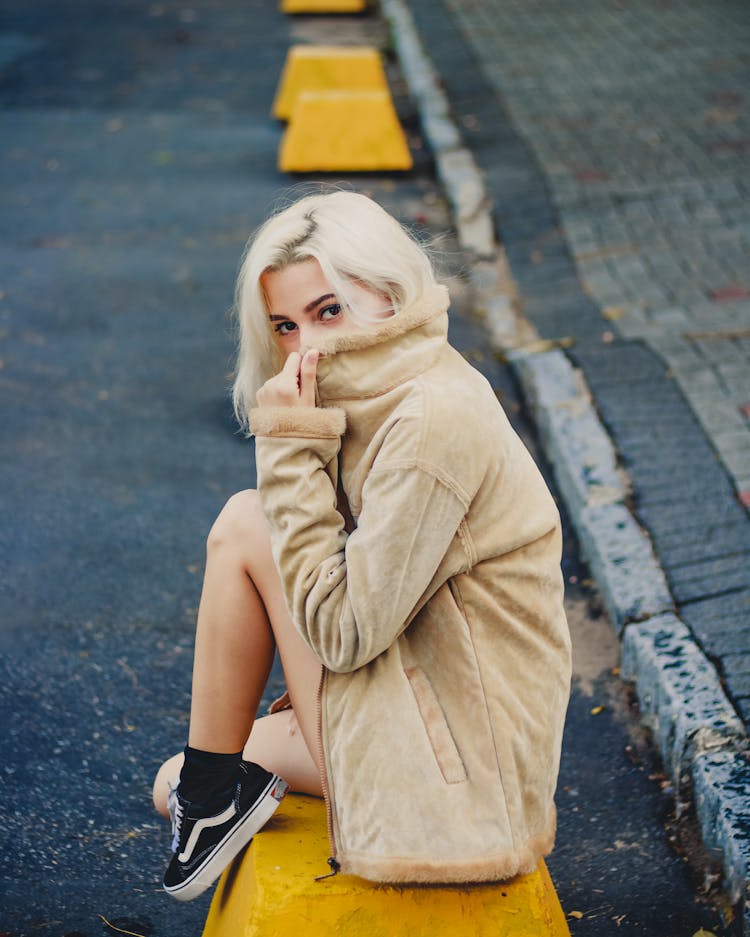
(344, 131)
(327, 68)
(322, 6)
(270, 891)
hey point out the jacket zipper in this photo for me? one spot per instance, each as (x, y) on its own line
(332, 861)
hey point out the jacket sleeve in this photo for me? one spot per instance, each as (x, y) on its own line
(351, 596)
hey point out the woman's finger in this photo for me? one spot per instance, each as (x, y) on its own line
(291, 366)
(307, 373)
(283, 389)
(294, 385)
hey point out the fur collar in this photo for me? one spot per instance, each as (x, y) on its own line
(370, 363)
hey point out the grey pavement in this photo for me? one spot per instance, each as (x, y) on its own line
(613, 140)
(137, 154)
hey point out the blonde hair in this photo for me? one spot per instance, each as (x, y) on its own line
(352, 238)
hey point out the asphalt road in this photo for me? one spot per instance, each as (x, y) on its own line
(136, 156)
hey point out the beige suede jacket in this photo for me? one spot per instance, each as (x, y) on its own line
(438, 619)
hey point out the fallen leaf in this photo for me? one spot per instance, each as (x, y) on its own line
(613, 312)
(541, 345)
(597, 709)
(576, 914)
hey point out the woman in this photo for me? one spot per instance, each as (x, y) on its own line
(402, 552)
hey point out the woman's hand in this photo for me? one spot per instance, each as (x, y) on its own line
(294, 385)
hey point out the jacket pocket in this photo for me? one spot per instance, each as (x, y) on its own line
(444, 748)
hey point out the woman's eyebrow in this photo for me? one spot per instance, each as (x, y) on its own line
(308, 308)
(316, 302)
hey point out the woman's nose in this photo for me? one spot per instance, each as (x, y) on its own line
(306, 336)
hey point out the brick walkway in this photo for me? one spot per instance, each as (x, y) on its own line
(616, 144)
(636, 113)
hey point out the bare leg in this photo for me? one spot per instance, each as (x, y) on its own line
(234, 649)
(242, 616)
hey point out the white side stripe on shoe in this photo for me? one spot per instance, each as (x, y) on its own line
(202, 825)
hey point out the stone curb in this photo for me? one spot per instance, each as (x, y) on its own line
(698, 732)
(703, 742)
(720, 784)
(670, 668)
(584, 464)
(456, 167)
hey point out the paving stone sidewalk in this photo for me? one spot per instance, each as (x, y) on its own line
(615, 140)
(637, 116)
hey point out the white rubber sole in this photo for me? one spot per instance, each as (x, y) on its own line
(233, 843)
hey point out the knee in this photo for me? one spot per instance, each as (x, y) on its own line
(238, 523)
(167, 775)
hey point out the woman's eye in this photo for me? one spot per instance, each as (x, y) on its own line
(284, 328)
(330, 312)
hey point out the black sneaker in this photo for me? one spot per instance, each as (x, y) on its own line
(207, 837)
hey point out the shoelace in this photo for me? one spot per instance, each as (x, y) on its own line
(176, 827)
(176, 812)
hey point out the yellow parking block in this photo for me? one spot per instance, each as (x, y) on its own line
(344, 131)
(270, 891)
(323, 6)
(327, 68)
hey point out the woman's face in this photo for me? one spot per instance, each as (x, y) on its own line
(304, 310)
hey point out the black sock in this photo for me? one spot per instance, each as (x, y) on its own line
(206, 773)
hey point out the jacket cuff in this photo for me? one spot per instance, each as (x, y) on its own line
(300, 422)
